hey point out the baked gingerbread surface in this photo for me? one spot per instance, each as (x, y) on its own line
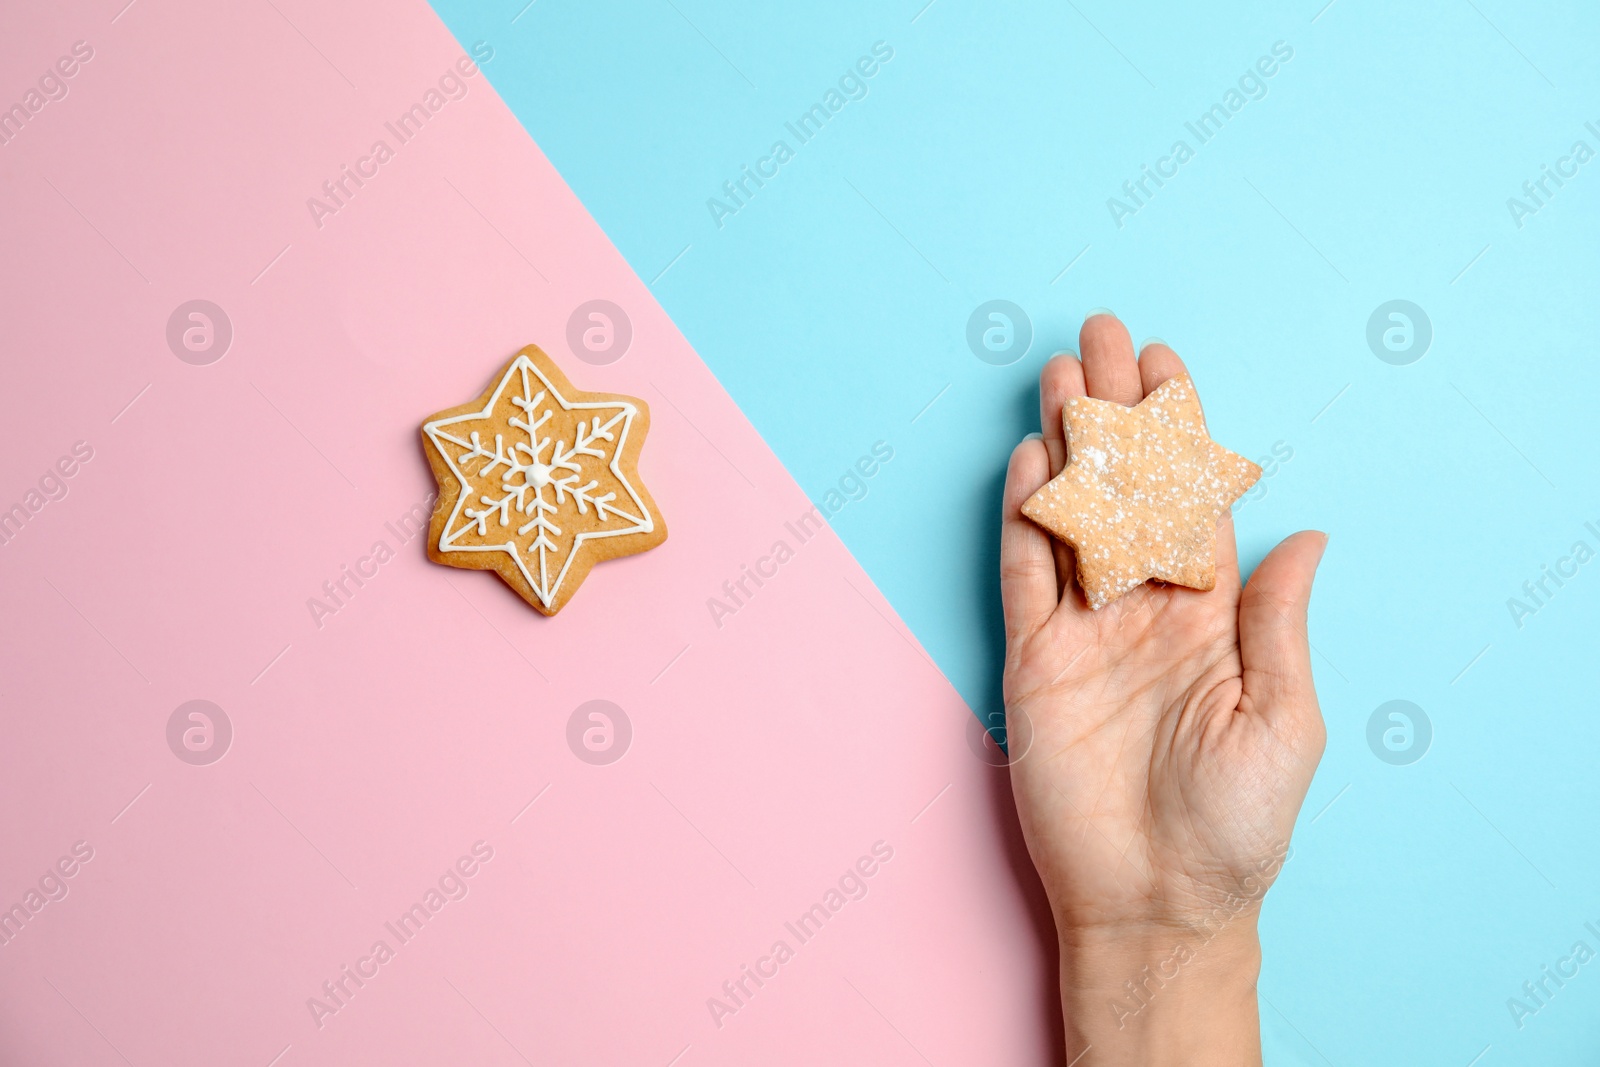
(1142, 492)
(539, 481)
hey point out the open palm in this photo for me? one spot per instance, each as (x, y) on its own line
(1162, 745)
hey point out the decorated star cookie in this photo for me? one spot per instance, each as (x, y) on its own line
(538, 482)
(1141, 493)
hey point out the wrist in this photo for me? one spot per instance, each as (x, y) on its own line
(1158, 993)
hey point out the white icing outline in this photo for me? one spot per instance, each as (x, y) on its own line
(536, 475)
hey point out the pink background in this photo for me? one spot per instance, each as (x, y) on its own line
(369, 754)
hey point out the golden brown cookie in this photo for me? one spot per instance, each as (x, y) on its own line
(1141, 493)
(538, 482)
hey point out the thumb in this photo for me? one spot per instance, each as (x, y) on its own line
(1273, 645)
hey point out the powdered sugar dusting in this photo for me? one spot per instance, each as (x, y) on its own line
(1142, 492)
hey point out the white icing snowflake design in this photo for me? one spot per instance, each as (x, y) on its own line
(540, 491)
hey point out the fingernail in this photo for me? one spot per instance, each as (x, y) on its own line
(1148, 341)
(1034, 437)
(1099, 311)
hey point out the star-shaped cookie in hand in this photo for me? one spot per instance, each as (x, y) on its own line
(539, 482)
(1141, 493)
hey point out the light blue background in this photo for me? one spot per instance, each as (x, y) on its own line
(834, 307)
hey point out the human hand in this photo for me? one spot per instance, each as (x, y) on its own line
(1171, 737)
